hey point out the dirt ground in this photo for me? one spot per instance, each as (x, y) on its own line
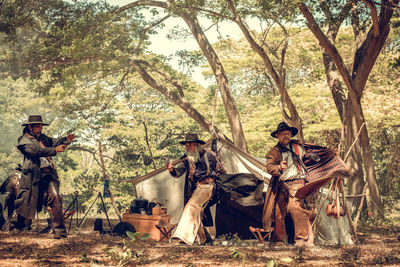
(378, 246)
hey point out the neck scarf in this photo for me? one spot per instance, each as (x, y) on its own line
(296, 159)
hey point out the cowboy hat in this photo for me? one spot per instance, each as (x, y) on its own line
(35, 119)
(283, 126)
(190, 137)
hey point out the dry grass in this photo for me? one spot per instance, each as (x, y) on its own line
(378, 245)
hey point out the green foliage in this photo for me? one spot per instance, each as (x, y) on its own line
(385, 146)
(86, 259)
(129, 251)
(137, 235)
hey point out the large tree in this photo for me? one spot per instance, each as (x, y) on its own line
(349, 106)
(191, 19)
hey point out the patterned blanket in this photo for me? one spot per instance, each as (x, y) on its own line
(322, 164)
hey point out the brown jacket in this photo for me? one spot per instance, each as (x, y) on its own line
(274, 158)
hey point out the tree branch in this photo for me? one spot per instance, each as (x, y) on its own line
(141, 3)
(173, 82)
(171, 95)
(148, 144)
(374, 15)
(326, 44)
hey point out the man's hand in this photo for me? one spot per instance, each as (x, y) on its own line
(60, 148)
(70, 138)
(170, 167)
(168, 164)
(283, 166)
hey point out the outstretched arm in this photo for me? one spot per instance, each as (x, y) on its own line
(178, 170)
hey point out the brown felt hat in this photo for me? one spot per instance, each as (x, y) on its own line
(35, 119)
(191, 137)
(283, 126)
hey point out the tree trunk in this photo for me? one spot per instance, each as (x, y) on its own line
(279, 80)
(355, 183)
(222, 80)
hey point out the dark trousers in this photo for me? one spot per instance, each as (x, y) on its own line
(51, 199)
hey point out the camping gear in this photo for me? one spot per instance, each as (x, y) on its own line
(329, 210)
(122, 227)
(168, 190)
(156, 211)
(133, 208)
(141, 203)
(146, 224)
(165, 229)
(150, 208)
(99, 196)
(98, 225)
(106, 189)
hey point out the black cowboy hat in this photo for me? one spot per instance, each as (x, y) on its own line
(283, 126)
(35, 119)
(190, 137)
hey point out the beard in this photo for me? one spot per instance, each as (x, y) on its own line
(193, 155)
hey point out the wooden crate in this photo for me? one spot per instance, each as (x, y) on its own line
(146, 223)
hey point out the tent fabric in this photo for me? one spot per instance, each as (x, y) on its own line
(240, 204)
(245, 189)
(328, 232)
(233, 218)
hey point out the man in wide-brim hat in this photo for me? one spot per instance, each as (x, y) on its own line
(285, 164)
(35, 119)
(39, 184)
(201, 168)
(192, 138)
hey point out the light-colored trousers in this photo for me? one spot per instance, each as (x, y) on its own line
(190, 226)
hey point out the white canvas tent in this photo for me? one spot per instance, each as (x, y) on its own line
(161, 186)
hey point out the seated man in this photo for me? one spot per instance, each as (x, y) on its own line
(201, 168)
(9, 189)
(285, 164)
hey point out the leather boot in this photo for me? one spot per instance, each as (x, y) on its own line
(20, 224)
(59, 232)
(209, 241)
(2, 220)
(55, 209)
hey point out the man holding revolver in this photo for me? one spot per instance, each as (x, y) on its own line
(285, 164)
(39, 184)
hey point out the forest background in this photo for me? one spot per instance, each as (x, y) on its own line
(86, 68)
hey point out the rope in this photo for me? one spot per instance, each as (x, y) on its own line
(214, 111)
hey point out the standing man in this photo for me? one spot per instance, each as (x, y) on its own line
(285, 164)
(201, 167)
(39, 184)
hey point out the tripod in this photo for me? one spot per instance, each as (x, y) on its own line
(104, 208)
(74, 206)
